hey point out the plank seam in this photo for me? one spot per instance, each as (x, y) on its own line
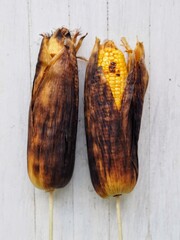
(107, 29)
(69, 14)
(107, 7)
(149, 237)
(29, 37)
(34, 195)
(69, 25)
(30, 75)
(109, 220)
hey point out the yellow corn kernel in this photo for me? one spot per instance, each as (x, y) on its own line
(114, 68)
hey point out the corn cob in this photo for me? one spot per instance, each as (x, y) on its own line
(114, 68)
(53, 111)
(114, 94)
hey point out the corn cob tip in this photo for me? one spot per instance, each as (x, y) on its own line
(113, 64)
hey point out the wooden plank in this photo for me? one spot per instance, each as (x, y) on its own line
(46, 16)
(131, 19)
(16, 198)
(165, 118)
(91, 217)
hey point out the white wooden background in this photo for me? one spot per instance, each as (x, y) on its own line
(152, 210)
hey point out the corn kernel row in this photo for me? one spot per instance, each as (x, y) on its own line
(114, 68)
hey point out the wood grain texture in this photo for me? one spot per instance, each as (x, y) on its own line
(16, 198)
(164, 121)
(151, 211)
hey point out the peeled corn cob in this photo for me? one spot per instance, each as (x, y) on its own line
(114, 94)
(114, 68)
(53, 112)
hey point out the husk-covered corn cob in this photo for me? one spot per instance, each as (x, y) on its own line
(114, 95)
(53, 111)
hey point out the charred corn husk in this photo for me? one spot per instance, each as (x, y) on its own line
(114, 95)
(53, 111)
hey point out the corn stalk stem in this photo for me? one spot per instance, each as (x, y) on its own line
(51, 215)
(118, 211)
